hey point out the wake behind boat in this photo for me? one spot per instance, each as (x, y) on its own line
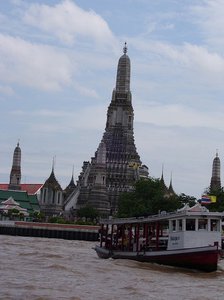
(189, 238)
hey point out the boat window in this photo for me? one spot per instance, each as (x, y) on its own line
(214, 225)
(190, 224)
(180, 226)
(173, 228)
(202, 224)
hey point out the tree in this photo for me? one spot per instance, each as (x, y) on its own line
(38, 216)
(13, 213)
(185, 199)
(147, 198)
(88, 212)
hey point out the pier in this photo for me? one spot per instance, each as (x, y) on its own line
(50, 230)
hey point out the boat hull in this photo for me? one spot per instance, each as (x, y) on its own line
(202, 258)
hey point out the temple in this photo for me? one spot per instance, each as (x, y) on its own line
(116, 165)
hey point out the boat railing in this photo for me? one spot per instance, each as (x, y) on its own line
(162, 214)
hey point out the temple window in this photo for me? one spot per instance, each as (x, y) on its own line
(53, 195)
(59, 197)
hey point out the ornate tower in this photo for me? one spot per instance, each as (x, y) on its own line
(215, 180)
(116, 165)
(15, 175)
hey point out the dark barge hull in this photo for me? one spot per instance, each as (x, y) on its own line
(202, 258)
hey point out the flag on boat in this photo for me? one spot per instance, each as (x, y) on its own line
(213, 198)
(206, 199)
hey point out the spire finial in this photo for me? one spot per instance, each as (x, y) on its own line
(53, 162)
(125, 49)
(171, 177)
(73, 170)
(216, 152)
(18, 142)
(162, 179)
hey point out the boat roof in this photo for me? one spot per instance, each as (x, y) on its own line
(196, 211)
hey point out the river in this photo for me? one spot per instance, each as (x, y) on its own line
(47, 269)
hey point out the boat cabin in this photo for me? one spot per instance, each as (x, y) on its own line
(186, 228)
(194, 227)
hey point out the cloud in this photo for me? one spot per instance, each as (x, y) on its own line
(53, 121)
(188, 62)
(187, 55)
(33, 65)
(6, 90)
(67, 21)
(180, 116)
(209, 17)
(85, 91)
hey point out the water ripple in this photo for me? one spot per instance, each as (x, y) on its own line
(51, 269)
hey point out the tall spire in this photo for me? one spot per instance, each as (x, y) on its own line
(123, 72)
(111, 170)
(162, 182)
(215, 179)
(15, 175)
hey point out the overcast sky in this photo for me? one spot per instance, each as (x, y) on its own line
(58, 63)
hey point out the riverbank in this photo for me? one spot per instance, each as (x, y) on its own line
(50, 230)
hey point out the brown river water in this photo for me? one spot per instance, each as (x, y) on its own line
(44, 269)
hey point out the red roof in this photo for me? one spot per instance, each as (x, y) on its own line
(30, 188)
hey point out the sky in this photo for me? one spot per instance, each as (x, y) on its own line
(58, 63)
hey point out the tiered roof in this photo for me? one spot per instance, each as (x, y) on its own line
(26, 201)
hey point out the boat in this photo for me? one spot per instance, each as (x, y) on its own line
(189, 238)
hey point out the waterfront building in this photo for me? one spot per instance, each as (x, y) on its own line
(27, 202)
(51, 197)
(215, 179)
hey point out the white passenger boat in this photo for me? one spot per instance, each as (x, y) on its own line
(189, 238)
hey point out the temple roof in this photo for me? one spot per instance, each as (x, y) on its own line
(26, 201)
(30, 188)
(52, 182)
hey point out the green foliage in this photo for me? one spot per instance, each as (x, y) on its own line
(37, 216)
(88, 212)
(13, 211)
(149, 198)
(58, 220)
(81, 222)
(185, 199)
